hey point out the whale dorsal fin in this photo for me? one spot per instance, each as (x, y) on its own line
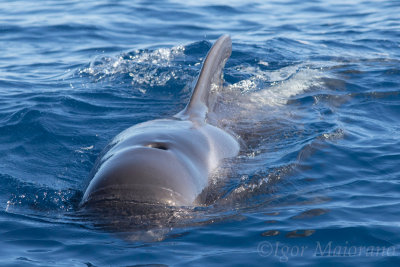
(210, 73)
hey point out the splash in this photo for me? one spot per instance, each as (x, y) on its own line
(275, 88)
(263, 94)
(144, 68)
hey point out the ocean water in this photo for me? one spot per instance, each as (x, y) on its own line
(312, 91)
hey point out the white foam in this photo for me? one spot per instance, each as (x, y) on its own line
(144, 67)
(281, 91)
(283, 84)
(263, 94)
(161, 56)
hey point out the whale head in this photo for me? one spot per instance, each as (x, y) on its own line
(154, 162)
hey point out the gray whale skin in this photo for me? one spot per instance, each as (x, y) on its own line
(167, 161)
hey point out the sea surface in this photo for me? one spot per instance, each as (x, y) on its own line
(312, 91)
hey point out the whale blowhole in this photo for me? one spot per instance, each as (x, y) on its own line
(158, 146)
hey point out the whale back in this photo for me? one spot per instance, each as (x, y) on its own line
(210, 73)
(166, 161)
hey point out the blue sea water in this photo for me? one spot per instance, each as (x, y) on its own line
(312, 90)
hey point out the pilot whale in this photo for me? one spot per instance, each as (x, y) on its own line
(167, 161)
